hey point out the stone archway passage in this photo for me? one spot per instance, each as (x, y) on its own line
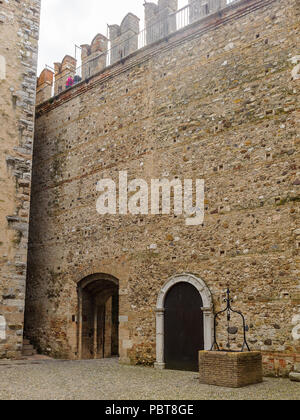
(98, 327)
(203, 319)
(183, 326)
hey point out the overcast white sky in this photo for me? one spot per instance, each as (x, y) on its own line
(65, 23)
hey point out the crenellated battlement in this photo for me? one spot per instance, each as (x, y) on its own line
(44, 86)
(201, 8)
(163, 8)
(63, 71)
(124, 38)
(93, 56)
(99, 43)
(161, 20)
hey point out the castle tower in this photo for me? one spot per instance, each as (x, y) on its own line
(94, 56)
(19, 33)
(44, 86)
(63, 71)
(160, 19)
(124, 38)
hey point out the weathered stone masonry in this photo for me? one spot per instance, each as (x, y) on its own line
(218, 100)
(19, 28)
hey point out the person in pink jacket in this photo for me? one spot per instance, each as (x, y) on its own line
(69, 82)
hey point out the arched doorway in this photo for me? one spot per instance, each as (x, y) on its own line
(183, 325)
(98, 326)
(184, 322)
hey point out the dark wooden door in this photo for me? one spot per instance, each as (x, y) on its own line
(183, 327)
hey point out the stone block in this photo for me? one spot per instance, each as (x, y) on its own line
(2, 68)
(127, 344)
(295, 376)
(297, 367)
(2, 328)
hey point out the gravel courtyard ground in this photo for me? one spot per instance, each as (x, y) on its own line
(106, 379)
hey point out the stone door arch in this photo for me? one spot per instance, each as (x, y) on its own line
(98, 307)
(207, 310)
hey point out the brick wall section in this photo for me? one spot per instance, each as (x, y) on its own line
(19, 28)
(233, 370)
(217, 100)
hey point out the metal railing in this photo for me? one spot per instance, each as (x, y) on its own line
(154, 32)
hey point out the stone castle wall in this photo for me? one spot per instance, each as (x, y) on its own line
(19, 28)
(217, 100)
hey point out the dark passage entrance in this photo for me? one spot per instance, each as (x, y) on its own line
(183, 327)
(99, 317)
